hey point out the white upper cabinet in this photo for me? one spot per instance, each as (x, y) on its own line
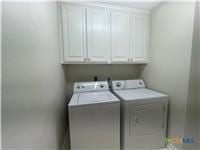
(139, 38)
(74, 34)
(103, 34)
(120, 36)
(98, 35)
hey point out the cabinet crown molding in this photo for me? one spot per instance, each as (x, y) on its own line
(106, 6)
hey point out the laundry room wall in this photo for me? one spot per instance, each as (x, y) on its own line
(80, 73)
(170, 56)
(199, 105)
(33, 82)
(191, 123)
(0, 69)
(199, 78)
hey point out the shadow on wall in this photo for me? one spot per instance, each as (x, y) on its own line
(86, 72)
(192, 115)
(169, 59)
(33, 83)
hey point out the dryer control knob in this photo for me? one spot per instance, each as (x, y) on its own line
(118, 84)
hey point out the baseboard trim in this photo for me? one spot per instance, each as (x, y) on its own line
(171, 147)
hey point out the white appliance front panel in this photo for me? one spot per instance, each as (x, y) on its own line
(95, 127)
(145, 119)
(143, 125)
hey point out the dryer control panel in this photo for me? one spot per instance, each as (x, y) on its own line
(134, 84)
(118, 84)
(127, 84)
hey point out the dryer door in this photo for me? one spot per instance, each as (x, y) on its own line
(144, 126)
(146, 119)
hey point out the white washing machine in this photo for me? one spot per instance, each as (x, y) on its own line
(143, 115)
(94, 117)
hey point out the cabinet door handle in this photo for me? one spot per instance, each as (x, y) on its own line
(136, 120)
(85, 59)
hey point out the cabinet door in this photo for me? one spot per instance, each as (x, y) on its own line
(119, 36)
(98, 35)
(74, 33)
(139, 38)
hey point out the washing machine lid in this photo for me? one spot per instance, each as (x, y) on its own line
(137, 94)
(87, 98)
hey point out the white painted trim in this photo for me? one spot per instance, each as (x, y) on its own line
(0, 68)
(107, 6)
(108, 62)
(60, 26)
(171, 147)
(142, 1)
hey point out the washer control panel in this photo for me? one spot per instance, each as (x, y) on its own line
(91, 86)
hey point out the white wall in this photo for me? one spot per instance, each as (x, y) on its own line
(199, 78)
(191, 123)
(170, 51)
(74, 73)
(0, 69)
(33, 83)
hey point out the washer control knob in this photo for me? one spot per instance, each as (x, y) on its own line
(118, 84)
(78, 86)
(101, 85)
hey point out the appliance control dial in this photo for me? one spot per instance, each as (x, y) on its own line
(101, 85)
(78, 86)
(118, 84)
